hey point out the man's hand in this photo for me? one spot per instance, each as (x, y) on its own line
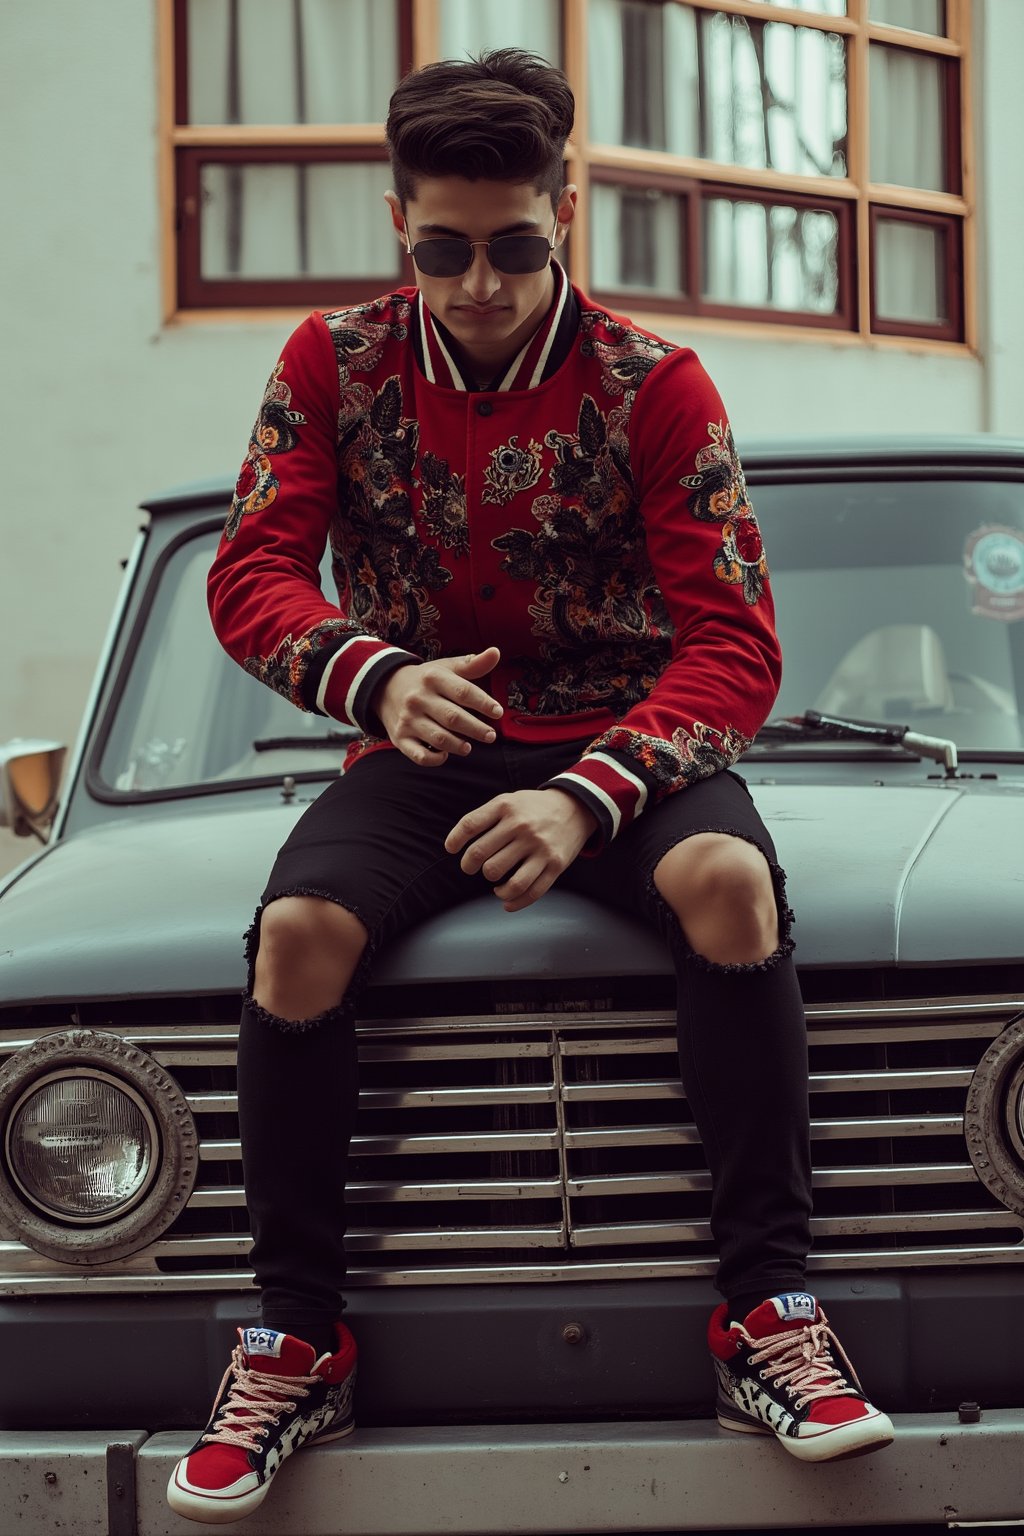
(434, 709)
(534, 832)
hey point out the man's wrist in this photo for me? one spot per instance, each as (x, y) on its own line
(588, 821)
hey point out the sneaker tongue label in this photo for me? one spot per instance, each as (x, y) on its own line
(795, 1306)
(263, 1341)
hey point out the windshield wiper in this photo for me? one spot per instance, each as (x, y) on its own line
(291, 743)
(870, 732)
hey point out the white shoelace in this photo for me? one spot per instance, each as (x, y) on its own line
(801, 1360)
(255, 1402)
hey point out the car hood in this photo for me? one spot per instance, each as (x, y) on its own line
(157, 903)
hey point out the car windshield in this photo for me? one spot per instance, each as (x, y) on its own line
(897, 601)
(901, 601)
(188, 716)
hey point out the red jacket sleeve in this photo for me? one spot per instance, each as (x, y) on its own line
(264, 591)
(708, 561)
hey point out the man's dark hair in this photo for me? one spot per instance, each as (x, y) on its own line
(504, 116)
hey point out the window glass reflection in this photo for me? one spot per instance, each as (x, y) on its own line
(636, 240)
(907, 119)
(470, 26)
(317, 61)
(916, 15)
(763, 94)
(818, 7)
(283, 220)
(771, 257)
(910, 272)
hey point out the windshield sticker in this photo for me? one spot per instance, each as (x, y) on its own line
(994, 568)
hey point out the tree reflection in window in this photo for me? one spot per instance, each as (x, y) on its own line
(761, 94)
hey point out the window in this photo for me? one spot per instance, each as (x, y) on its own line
(746, 160)
(786, 161)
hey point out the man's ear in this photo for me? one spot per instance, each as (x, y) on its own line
(397, 218)
(565, 211)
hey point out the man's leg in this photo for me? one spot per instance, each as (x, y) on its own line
(702, 867)
(298, 1090)
(365, 863)
(743, 1058)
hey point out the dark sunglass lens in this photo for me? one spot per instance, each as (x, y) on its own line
(442, 258)
(520, 253)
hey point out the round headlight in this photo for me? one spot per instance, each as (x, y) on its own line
(98, 1147)
(82, 1146)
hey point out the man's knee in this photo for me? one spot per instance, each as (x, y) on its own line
(309, 948)
(721, 890)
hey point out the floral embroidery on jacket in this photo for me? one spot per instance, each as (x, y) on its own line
(286, 667)
(719, 495)
(691, 755)
(378, 555)
(511, 470)
(627, 358)
(568, 680)
(273, 433)
(359, 333)
(443, 508)
(593, 580)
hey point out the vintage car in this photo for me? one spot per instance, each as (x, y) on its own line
(532, 1265)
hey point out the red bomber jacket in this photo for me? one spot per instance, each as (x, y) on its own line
(587, 514)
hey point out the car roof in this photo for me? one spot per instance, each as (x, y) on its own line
(763, 459)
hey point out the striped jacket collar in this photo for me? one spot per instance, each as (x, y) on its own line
(536, 360)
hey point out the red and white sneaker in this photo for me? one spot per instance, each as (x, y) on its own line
(783, 1372)
(275, 1397)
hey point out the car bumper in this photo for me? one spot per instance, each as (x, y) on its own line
(540, 1480)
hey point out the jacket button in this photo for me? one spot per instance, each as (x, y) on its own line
(487, 591)
(484, 408)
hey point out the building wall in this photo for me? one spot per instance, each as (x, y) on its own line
(110, 405)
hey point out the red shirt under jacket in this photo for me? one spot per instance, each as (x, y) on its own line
(588, 516)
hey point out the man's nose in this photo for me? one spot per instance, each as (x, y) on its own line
(481, 281)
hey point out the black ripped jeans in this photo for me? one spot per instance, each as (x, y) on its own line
(373, 842)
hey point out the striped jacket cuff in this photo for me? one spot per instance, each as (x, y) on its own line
(614, 790)
(348, 677)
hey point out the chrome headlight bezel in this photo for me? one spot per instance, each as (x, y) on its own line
(994, 1117)
(174, 1162)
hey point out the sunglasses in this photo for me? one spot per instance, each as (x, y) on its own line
(512, 254)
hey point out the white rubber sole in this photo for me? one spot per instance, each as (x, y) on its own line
(834, 1443)
(208, 1509)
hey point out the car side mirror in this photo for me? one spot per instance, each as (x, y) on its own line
(29, 780)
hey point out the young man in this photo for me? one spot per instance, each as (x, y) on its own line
(554, 629)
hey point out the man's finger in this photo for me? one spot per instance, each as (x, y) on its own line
(472, 825)
(477, 663)
(466, 668)
(512, 895)
(445, 715)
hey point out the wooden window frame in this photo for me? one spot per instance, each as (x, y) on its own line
(950, 329)
(198, 292)
(692, 195)
(858, 201)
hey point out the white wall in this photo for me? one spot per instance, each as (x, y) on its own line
(104, 404)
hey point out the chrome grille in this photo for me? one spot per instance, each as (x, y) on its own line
(559, 1145)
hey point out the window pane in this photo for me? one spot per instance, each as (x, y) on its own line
(291, 61)
(636, 240)
(283, 220)
(918, 15)
(819, 7)
(771, 257)
(910, 272)
(908, 119)
(716, 87)
(470, 26)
